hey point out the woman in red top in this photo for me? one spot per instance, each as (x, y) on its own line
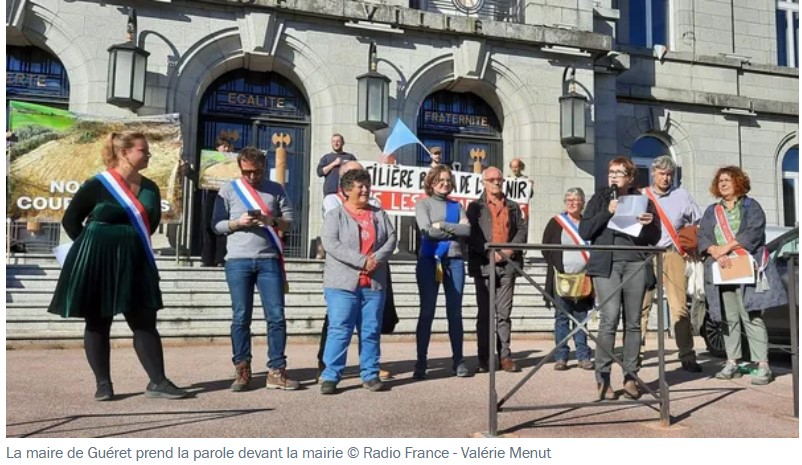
(358, 239)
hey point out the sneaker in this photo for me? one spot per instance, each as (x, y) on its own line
(462, 370)
(483, 368)
(585, 365)
(729, 371)
(762, 375)
(560, 365)
(373, 384)
(165, 390)
(328, 387)
(385, 375)
(277, 379)
(243, 376)
(104, 391)
(631, 390)
(691, 366)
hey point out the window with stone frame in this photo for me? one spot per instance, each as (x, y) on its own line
(644, 23)
(788, 33)
(790, 186)
(643, 152)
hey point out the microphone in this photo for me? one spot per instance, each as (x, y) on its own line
(614, 193)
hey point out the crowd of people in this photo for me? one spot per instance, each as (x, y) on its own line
(110, 268)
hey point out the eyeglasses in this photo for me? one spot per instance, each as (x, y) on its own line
(247, 173)
(494, 180)
(574, 200)
(617, 174)
(444, 181)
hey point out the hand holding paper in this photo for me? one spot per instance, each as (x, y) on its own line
(628, 214)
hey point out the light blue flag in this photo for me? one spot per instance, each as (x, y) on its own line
(400, 136)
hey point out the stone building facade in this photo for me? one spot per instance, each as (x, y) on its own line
(710, 82)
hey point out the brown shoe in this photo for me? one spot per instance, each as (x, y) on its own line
(509, 366)
(277, 379)
(560, 365)
(243, 376)
(585, 365)
(631, 390)
(606, 392)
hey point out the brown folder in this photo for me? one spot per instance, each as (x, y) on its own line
(742, 267)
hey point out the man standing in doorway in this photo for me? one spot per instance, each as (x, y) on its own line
(676, 208)
(329, 166)
(494, 218)
(517, 167)
(329, 170)
(252, 210)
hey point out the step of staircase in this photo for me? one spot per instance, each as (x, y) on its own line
(197, 303)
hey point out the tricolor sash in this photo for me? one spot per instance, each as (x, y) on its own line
(439, 249)
(573, 232)
(726, 231)
(672, 232)
(116, 185)
(253, 201)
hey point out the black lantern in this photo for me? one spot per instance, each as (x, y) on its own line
(373, 96)
(572, 113)
(127, 66)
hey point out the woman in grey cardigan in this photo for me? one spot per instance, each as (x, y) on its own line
(737, 225)
(358, 239)
(443, 225)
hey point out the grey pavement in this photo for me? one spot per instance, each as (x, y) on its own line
(49, 394)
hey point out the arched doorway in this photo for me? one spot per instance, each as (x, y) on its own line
(35, 76)
(249, 108)
(462, 124)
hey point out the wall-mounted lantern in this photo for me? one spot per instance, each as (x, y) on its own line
(127, 66)
(373, 96)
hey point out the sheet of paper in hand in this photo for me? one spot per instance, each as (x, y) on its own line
(629, 208)
(61, 253)
(742, 271)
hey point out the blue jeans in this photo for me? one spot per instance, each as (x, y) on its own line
(428, 288)
(265, 273)
(563, 324)
(363, 309)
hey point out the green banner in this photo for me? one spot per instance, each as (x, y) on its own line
(55, 151)
(23, 114)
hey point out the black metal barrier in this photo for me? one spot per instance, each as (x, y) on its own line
(793, 317)
(497, 406)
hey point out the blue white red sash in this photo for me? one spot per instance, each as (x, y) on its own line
(116, 185)
(726, 231)
(253, 201)
(672, 232)
(573, 232)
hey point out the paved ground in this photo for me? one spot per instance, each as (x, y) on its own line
(49, 394)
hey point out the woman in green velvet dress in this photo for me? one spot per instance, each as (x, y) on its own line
(108, 271)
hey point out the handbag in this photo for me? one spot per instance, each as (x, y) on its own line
(573, 286)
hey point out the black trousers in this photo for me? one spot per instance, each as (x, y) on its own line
(213, 246)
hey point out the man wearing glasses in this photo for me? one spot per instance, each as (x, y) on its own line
(494, 218)
(252, 210)
(677, 209)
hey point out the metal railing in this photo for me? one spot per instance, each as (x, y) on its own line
(793, 317)
(497, 406)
